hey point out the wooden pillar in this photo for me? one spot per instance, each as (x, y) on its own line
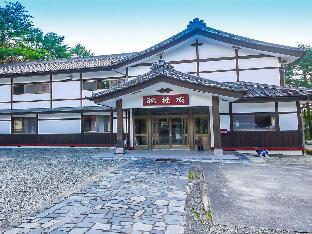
(191, 128)
(216, 125)
(237, 64)
(196, 45)
(119, 148)
(282, 73)
(149, 129)
(300, 124)
(277, 117)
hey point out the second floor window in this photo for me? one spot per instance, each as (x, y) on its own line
(92, 85)
(19, 89)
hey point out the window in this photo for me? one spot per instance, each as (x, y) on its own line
(92, 85)
(254, 122)
(25, 125)
(201, 125)
(31, 88)
(140, 131)
(96, 123)
(89, 85)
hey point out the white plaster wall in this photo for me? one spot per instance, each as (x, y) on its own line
(5, 93)
(253, 107)
(59, 116)
(63, 90)
(210, 50)
(180, 52)
(31, 97)
(217, 65)
(59, 77)
(29, 79)
(5, 106)
(59, 126)
(88, 103)
(5, 127)
(263, 76)
(229, 76)
(185, 67)
(5, 81)
(225, 122)
(288, 121)
(26, 105)
(258, 63)
(69, 103)
(287, 107)
(114, 125)
(135, 71)
(103, 74)
(224, 106)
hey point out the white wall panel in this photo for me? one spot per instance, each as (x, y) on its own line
(185, 67)
(253, 107)
(88, 103)
(4, 106)
(215, 51)
(224, 106)
(31, 97)
(263, 76)
(136, 71)
(26, 105)
(63, 90)
(69, 103)
(5, 81)
(102, 74)
(288, 121)
(225, 122)
(185, 51)
(258, 63)
(5, 117)
(287, 107)
(29, 79)
(217, 65)
(59, 126)
(220, 76)
(5, 93)
(74, 76)
(59, 116)
(5, 127)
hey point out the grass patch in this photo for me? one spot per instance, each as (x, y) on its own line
(196, 214)
(208, 216)
(191, 175)
(308, 151)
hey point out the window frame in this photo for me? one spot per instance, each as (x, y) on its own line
(23, 123)
(95, 132)
(268, 114)
(35, 88)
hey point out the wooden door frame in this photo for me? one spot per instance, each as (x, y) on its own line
(194, 116)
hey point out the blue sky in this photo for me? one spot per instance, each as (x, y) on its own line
(116, 26)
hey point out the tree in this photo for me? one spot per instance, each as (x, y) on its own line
(299, 74)
(80, 51)
(20, 41)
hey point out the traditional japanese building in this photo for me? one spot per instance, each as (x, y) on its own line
(201, 86)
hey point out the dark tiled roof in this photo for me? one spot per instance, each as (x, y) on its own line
(161, 68)
(55, 110)
(251, 90)
(255, 90)
(195, 27)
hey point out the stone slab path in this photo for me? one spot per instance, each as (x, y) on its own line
(141, 196)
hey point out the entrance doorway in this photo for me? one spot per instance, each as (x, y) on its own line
(170, 132)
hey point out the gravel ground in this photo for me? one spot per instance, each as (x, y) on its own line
(295, 160)
(31, 179)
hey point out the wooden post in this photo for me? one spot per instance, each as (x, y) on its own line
(281, 71)
(216, 125)
(300, 124)
(237, 64)
(119, 148)
(191, 128)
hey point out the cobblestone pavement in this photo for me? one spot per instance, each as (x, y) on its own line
(141, 196)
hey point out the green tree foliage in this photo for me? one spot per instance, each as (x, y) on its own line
(299, 74)
(20, 41)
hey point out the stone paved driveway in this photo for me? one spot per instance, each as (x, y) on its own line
(141, 196)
